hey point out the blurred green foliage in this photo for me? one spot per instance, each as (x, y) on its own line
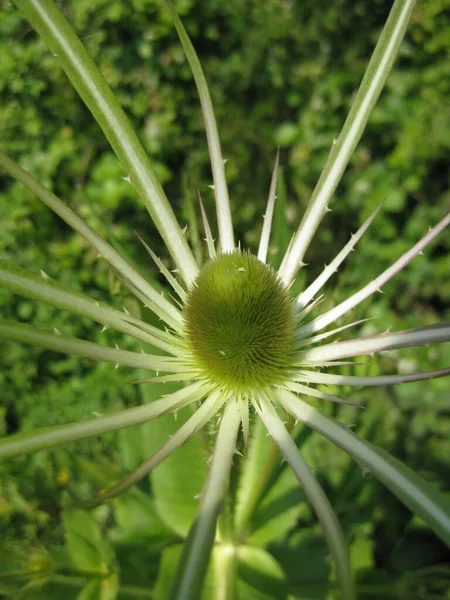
(281, 73)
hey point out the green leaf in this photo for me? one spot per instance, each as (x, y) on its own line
(178, 481)
(260, 574)
(88, 547)
(136, 518)
(278, 511)
(100, 589)
(304, 558)
(91, 591)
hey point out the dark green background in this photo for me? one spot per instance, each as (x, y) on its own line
(281, 73)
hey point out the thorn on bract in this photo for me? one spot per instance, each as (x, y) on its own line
(44, 275)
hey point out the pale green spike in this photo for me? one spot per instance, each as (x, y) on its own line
(220, 188)
(41, 439)
(95, 92)
(69, 345)
(22, 282)
(207, 228)
(268, 216)
(375, 285)
(356, 381)
(198, 420)
(322, 507)
(132, 279)
(305, 297)
(164, 270)
(378, 343)
(343, 147)
(308, 391)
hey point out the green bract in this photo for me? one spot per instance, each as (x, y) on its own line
(240, 322)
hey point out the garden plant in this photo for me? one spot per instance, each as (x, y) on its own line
(242, 362)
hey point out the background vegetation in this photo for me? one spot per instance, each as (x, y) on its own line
(281, 73)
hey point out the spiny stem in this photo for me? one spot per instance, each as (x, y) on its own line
(268, 216)
(24, 443)
(322, 507)
(375, 285)
(132, 279)
(224, 220)
(198, 546)
(343, 147)
(378, 343)
(95, 92)
(416, 493)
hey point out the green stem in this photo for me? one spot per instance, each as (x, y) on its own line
(135, 282)
(225, 568)
(19, 332)
(19, 281)
(254, 478)
(198, 546)
(416, 493)
(95, 92)
(321, 505)
(343, 147)
(23, 443)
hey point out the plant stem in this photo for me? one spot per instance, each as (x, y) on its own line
(343, 147)
(416, 493)
(23, 443)
(131, 277)
(322, 507)
(225, 567)
(198, 546)
(95, 92)
(254, 478)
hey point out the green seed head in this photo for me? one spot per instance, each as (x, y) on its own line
(240, 323)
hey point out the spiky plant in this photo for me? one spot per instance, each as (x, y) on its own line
(236, 339)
